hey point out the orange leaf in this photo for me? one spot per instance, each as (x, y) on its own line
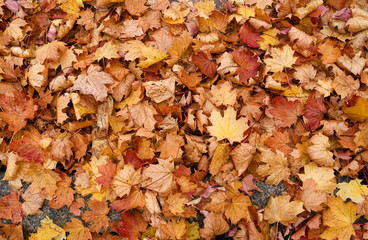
(97, 215)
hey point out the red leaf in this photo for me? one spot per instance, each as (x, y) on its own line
(132, 158)
(314, 111)
(17, 109)
(11, 207)
(28, 146)
(249, 37)
(248, 64)
(107, 170)
(204, 62)
(286, 111)
(131, 226)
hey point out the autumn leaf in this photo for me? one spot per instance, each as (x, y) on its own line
(287, 112)
(17, 109)
(353, 190)
(107, 173)
(359, 111)
(248, 64)
(97, 215)
(137, 49)
(214, 225)
(77, 230)
(238, 208)
(93, 82)
(227, 127)
(281, 209)
(161, 175)
(220, 157)
(275, 166)
(176, 228)
(319, 150)
(48, 230)
(124, 179)
(249, 37)
(330, 52)
(314, 111)
(323, 176)
(131, 226)
(281, 58)
(339, 219)
(204, 62)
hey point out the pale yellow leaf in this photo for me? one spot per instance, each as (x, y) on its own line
(227, 127)
(281, 58)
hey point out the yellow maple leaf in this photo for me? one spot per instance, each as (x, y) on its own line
(71, 7)
(323, 176)
(339, 219)
(176, 203)
(148, 55)
(281, 58)
(238, 208)
(108, 51)
(280, 209)
(48, 230)
(358, 112)
(227, 127)
(220, 157)
(353, 190)
(269, 38)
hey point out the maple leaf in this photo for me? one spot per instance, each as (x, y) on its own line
(28, 146)
(124, 180)
(51, 51)
(135, 7)
(279, 141)
(161, 175)
(358, 112)
(330, 52)
(287, 112)
(175, 203)
(77, 230)
(178, 47)
(223, 94)
(275, 167)
(11, 207)
(64, 194)
(32, 202)
(141, 114)
(134, 200)
(312, 199)
(249, 37)
(204, 62)
(237, 209)
(214, 224)
(269, 38)
(281, 58)
(319, 150)
(242, 156)
(137, 49)
(61, 148)
(353, 190)
(108, 50)
(339, 219)
(107, 173)
(323, 176)
(93, 82)
(71, 8)
(248, 64)
(175, 228)
(131, 226)
(345, 85)
(227, 127)
(17, 110)
(15, 30)
(97, 215)
(48, 230)
(314, 111)
(281, 209)
(220, 157)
